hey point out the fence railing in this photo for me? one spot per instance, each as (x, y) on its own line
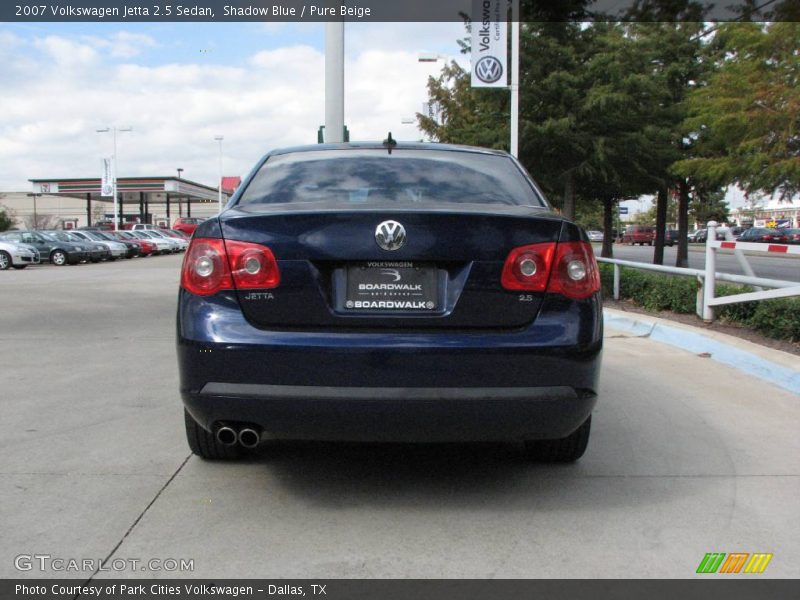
(707, 278)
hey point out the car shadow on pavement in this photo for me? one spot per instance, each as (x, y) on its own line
(471, 475)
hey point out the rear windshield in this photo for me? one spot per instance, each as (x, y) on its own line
(371, 178)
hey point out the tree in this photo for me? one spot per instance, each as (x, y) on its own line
(40, 221)
(6, 219)
(709, 205)
(675, 50)
(593, 122)
(747, 119)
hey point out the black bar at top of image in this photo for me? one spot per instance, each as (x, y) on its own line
(729, 588)
(389, 10)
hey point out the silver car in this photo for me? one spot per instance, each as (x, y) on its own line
(17, 256)
(163, 246)
(117, 249)
(174, 244)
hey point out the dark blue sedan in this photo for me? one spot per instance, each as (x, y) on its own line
(389, 292)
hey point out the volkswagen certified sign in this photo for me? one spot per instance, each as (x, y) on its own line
(390, 235)
(489, 69)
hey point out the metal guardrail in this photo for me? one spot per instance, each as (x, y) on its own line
(708, 277)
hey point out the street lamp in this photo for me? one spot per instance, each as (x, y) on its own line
(114, 131)
(219, 139)
(179, 172)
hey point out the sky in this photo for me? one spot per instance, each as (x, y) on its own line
(260, 85)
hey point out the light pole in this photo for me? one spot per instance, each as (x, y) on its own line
(114, 131)
(334, 82)
(179, 172)
(219, 139)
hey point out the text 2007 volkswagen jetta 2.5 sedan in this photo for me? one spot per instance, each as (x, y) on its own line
(389, 292)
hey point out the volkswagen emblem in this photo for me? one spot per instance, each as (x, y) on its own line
(390, 235)
(489, 69)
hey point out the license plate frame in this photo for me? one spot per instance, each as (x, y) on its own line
(391, 288)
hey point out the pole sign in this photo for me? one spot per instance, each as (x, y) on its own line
(107, 181)
(623, 210)
(489, 53)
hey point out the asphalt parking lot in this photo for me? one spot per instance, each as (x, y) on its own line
(687, 456)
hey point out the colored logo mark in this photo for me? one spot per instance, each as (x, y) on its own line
(735, 562)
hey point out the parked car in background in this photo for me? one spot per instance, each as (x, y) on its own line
(175, 244)
(765, 235)
(57, 252)
(639, 234)
(187, 224)
(793, 236)
(162, 246)
(702, 235)
(134, 249)
(178, 237)
(140, 226)
(117, 249)
(595, 236)
(349, 295)
(146, 247)
(17, 255)
(670, 237)
(97, 251)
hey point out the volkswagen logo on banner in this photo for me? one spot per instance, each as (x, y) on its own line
(390, 235)
(489, 69)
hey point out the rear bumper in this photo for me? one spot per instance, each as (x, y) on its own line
(536, 383)
(394, 414)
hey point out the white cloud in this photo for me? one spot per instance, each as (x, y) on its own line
(66, 53)
(123, 44)
(272, 98)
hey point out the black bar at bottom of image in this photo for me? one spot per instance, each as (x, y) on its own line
(398, 589)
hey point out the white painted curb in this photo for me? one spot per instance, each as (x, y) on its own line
(695, 341)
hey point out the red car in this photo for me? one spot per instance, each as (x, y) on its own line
(147, 247)
(639, 234)
(186, 224)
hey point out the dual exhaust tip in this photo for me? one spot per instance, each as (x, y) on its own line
(246, 437)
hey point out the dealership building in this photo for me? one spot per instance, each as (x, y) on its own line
(72, 203)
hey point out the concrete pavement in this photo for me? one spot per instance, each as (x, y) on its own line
(687, 456)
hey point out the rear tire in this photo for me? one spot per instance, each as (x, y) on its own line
(5, 260)
(568, 449)
(204, 443)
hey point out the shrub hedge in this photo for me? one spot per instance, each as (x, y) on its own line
(778, 319)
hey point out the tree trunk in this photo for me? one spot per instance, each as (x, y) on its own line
(568, 209)
(683, 224)
(661, 225)
(608, 228)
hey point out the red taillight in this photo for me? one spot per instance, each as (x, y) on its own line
(574, 269)
(575, 272)
(211, 265)
(528, 267)
(205, 268)
(252, 265)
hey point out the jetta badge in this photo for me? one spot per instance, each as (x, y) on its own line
(390, 235)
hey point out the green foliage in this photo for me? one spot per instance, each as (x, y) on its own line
(6, 222)
(589, 215)
(709, 205)
(747, 118)
(778, 319)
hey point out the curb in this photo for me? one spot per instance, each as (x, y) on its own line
(719, 347)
